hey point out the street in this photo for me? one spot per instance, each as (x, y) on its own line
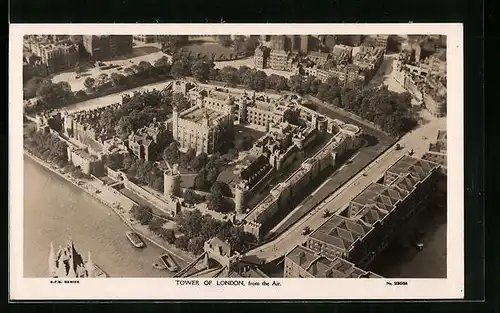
(418, 140)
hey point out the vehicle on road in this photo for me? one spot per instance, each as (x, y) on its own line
(306, 230)
(326, 213)
(134, 239)
(410, 152)
(398, 146)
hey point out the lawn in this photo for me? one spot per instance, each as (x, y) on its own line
(210, 50)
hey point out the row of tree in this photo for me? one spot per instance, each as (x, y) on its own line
(46, 146)
(198, 228)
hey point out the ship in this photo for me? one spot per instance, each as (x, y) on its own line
(67, 262)
(169, 262)
(135, 239)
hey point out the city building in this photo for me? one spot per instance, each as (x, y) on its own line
(104, 47)
(302, 262)
(145, 38)
(260, 57)
(378, 214)
(278, 42)
(344, 73)
(201, 127)
(89, 164)
(55, 53)
(319, 58)
(427, 84)
(347, 138)
(148, 142)
(330, 41)
(438, 150)
(379, 41)
(279, 60)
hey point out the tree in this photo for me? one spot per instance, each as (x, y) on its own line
(293, 117)
(114, 161)
(158, 183)
(200, 181)
(54, 95)
(296, 82)
(171, 153)
(117, 79)
(188, 157)
(191, 197)
(276, 82)
(199, 161)
(196, 245)
(145, 68)
(171, 43)
(168, 235)
(124, 127)
(243, 143)
(89, 83)
(200, 70)
(142, 214)
(225, 40)
(32, 86)
(180, 101)
(162, 65)
(215, 199)
(129, 71)
(156, 225)
(80, 94)
(181, 242)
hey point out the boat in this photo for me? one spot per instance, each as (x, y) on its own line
(99, 272)
(169, 262)
(135, 239)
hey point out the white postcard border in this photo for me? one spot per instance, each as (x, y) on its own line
(291, 288)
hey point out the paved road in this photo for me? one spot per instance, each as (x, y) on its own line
(340, 199)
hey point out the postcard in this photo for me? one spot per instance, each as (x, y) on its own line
(236, 161)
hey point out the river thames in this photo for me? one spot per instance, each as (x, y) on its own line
(55, 209)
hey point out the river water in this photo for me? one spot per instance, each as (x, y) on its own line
(54, 209)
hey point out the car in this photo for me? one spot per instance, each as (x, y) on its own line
(326, 213)
(306, 230)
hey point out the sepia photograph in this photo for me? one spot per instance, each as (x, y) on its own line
(237, 157)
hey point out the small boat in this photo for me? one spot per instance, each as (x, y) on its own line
(99, 272)
(169, 262)
(135, 239)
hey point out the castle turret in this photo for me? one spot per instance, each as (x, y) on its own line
(175, 122)
(172, 182)
(242, 113)
(240, 191)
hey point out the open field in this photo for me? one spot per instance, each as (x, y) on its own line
(145, 53)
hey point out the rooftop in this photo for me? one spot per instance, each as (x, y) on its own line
(322, 267)
(411, 165)
(340, 232)
(198, 114)
(381, 196)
